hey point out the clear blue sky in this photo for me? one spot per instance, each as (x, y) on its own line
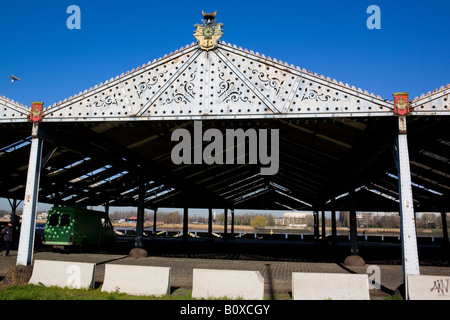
(410, 53)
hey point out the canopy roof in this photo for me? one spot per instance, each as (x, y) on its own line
(333, 138)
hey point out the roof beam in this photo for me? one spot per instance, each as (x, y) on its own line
(108, 152)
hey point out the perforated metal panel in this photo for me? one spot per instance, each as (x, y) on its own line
(433, 103)
(228, 82)
(225, 83)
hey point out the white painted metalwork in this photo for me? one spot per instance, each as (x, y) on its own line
(436, 103)
(225, 83)
(27, 233)
(407, 218)
(228, 82)
(11, 111)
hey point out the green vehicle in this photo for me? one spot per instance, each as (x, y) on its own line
(74, 227)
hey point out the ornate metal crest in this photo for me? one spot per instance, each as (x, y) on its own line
(401, 103)
(36, 111)
(209, 33)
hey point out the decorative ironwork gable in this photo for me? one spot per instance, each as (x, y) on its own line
(223, 83)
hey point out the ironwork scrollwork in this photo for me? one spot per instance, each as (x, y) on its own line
(228, 91)
(314, 95)
(187, 92)
(109, 100)
(272, 82)
(146, 85)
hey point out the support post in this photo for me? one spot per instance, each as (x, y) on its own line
(14, 205)
(407, 218)
(154, 219)
(232, 221)
(15, 220)
(316, 224)
(444, 229)
(27, 234)
(186, 224)
(353, 233)
(225, 224)
(140, 215)
(324, 231)
(354, 260)
(354, 251)
(210, 221)
(333, 227)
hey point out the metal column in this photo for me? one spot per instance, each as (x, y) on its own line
(324, 230)
(154, 220)
(316, 224)
(186, 224)
(353, 233)
(14, 205)
(444, 229)
(407, 218)
(27, 233)
(140, 215)
(225, 224)
(232, 221)
(333, 226)
(210, 222)
(353, 224)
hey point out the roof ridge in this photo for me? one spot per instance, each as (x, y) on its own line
(309, 72)
(429, 93)
(16, 103)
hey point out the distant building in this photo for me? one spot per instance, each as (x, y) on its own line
(296, 219)
(279, 221)
(42, 216)
(131, 219)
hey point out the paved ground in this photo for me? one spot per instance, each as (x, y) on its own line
(275, 261)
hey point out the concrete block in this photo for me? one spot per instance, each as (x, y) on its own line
(428, 287)
(233, 284)
(137, 280)
(74, 275)
(334, 286)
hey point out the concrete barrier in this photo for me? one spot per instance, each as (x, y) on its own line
(75, 275)
(137, 280)
(233, 284)
(428, 287)
(334, 286)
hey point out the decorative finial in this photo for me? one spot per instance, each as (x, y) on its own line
(209, 16)
(209, 33)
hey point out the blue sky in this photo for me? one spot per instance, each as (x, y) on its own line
(409, 53)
